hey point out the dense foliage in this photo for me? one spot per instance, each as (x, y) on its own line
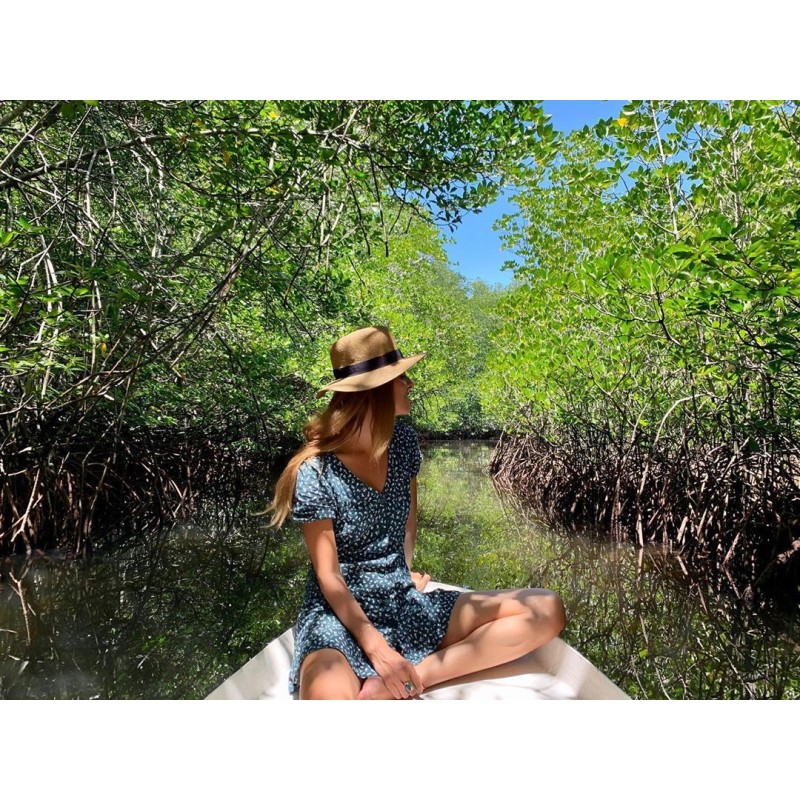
(652, 351)
(171, 274)
(440, 313)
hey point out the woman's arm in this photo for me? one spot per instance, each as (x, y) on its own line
(388, 663)
(420, 580)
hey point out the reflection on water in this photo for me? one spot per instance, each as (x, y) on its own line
(173, 616)
(632, 612)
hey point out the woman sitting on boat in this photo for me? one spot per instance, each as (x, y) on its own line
(365, 629)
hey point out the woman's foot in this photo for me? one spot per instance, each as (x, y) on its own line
(374, 689)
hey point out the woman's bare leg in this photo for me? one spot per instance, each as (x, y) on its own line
(327, 675)
(491, 628)
(487, 629)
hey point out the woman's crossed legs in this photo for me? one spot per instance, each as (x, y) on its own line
(485, 629)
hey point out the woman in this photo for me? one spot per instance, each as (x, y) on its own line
(365, 630)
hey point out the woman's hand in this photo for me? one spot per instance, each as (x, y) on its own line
(420, 579)
(395, 671)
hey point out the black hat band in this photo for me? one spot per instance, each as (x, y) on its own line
(369, 365)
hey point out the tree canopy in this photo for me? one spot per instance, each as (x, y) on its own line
(651, 350)
(182, 265)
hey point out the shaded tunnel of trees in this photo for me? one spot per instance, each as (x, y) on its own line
(172, 274)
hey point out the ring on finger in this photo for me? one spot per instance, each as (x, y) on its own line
(409, 687)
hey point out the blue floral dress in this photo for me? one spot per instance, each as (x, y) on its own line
(370, 531)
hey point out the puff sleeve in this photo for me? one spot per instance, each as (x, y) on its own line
(313, 498)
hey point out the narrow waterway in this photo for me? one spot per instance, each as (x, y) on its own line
(172, 615)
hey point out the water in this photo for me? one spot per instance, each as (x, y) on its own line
(172, 616)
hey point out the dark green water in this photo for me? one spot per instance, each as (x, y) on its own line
(172, 617)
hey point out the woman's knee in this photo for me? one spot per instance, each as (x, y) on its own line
(547, 610)
(327, 675)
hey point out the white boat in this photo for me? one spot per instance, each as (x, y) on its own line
(554, 671)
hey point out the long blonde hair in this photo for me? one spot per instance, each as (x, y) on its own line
(335, 429)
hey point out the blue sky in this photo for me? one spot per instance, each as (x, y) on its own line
(476, 250)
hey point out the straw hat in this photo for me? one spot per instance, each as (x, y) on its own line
(365, 359)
